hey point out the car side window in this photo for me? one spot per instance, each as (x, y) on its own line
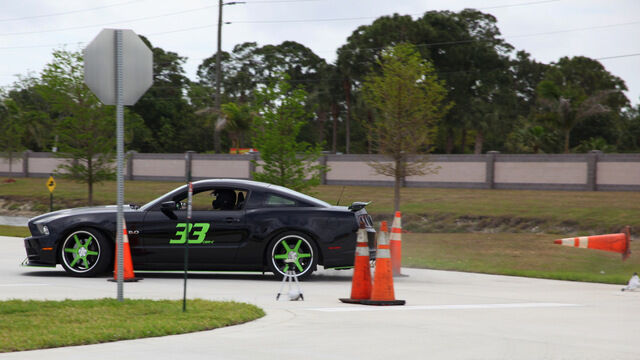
(277, 200)
(218, 199)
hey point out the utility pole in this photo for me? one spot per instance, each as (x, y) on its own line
(216, 131)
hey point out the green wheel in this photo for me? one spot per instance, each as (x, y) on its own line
(85, 252)
(292, 253)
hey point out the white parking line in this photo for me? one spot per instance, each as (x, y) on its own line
(18, 285)
(349, 308)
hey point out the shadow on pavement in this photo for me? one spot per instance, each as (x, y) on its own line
(318, 277)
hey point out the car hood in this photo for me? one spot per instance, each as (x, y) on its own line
(77, 211)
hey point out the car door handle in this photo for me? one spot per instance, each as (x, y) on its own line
(232, 220)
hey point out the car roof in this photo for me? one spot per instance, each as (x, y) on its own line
(260, 186)
(257, 185)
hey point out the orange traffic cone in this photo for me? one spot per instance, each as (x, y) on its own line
(396, 244)
(382, 292)
(128, 275)
(361, 282)
(611, 242)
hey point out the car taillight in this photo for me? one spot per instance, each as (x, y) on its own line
(365, 221)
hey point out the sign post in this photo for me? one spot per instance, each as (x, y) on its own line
(118, 68)
(186, 243)
(51, 185)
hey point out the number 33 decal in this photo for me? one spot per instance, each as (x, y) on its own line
(199, 230)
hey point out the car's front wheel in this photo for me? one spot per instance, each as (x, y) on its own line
(85, 252)
(292, 253)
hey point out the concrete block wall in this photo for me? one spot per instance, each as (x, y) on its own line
(588, 172)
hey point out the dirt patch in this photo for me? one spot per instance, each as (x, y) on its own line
(17, 208)
(30, 207)
(448, 223)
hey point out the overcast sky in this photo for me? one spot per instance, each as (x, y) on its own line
(608, 30)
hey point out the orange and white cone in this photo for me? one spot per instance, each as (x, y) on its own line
(382, 292)
(611, 242)
(128, 275)
(396, 244)
(361, 281)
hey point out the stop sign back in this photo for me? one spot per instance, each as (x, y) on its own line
(100, 67)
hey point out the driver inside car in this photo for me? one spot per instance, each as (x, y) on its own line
(225, 199)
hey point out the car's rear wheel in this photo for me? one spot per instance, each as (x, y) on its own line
(85, 252)
(292, 253)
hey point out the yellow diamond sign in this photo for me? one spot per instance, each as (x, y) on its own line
(51, 184)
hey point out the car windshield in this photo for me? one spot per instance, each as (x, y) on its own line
(154, 201)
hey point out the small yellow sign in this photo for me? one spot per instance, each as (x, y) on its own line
(51, 184)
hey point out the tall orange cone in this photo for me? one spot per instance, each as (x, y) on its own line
(611, 242)
(128, 275)
(382, 292)
(361, 282)
(396, 244)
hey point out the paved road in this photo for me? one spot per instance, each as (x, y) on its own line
(14, 220)
(449, 315)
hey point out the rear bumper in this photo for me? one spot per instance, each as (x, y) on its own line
(373, 245)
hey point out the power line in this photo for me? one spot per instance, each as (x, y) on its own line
(108, 23)
(514, 5)
(278, 1)
(70, 12)
(617, 56)
(575, 29)
(237, 22)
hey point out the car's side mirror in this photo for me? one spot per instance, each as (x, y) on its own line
(167, 208)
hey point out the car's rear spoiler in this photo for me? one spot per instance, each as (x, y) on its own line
(358, 205)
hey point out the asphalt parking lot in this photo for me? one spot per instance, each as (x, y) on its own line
(449, 315)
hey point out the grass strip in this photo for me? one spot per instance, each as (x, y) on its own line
(32, 324)
(521, 254)
(16, 231)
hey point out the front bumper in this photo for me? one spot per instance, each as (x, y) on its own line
(41, 251)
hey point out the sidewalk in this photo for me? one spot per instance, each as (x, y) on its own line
(14, 220)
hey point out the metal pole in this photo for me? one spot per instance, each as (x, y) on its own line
(50, 201)
(120, 151)
(186, 243)
(216, 133)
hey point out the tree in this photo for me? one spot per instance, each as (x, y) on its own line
(468, 53)
(579, 89)
(11, 131)
(280, 116)
(409, 100)
(36, 117)
(168, 120)
(85, 126)
(238, 122)
(250, 66)
(528, 137)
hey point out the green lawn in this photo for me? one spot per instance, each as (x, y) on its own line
(28, 325)
(530, 255)
(604, 211)
(17, 231)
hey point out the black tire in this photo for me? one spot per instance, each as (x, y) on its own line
(295, 247)
(85, 252)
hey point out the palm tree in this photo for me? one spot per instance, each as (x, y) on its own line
(571, 107)
(238, 122)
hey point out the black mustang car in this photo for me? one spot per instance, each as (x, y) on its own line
(235, 225)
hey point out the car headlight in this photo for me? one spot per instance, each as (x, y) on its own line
(43, 229)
